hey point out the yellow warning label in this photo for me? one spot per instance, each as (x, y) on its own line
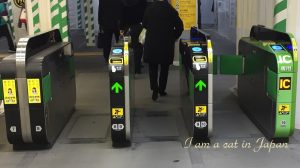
(34, 92)
(200, 110)
(117, 113)
(284, 109)
(209, 44)
(209, 51)
(126, 46)
(126, 59)
(295, 49)
(126, 53)
(9, 89)
(210, 57)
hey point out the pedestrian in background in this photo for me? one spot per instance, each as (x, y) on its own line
(109, 17)
(164, 27)
(5, 30)
(132, 16)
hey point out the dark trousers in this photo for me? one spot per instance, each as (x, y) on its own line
(135, 31)
(5, 32)
(138, 53)
(107, 39)
(163, 77)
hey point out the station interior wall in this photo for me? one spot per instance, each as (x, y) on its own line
(209, 17)
(226, 18)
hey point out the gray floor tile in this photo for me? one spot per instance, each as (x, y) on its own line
(233, 125)
(159, 126)
(150, 155)
(91, 95)
(3, 139)
(90, 127)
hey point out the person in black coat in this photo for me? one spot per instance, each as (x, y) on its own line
(5, 29)
(132, 13)
(132, 16)
(164, 27)
(109, 17)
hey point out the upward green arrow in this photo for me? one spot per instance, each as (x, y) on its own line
(116, 87)
(200, 85)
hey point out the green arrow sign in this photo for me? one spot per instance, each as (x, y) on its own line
(200, 85)
(117, 87)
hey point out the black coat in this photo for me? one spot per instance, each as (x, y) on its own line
(132, 14)
(164, 27)
(109, 15)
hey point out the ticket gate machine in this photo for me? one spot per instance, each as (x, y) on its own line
(38, 90)
(268, 81)
(266, 66)
(121, 77)
(196, 84)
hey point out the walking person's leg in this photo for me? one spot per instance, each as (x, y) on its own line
(138, 52)
(163, 79)
(153, 74)
(117, 35)
(9, 38)
(2, 31)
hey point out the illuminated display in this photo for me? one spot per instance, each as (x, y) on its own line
(197, 49)
(117, 51)
(277, 47)
(289, 47)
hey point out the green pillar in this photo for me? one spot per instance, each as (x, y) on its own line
(11, 18)
(280, 15)
(59, 14)
(36, 16)
(89, 23)
(79, 18)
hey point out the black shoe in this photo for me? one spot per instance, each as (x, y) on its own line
(154, 95)
(138, 71)
(163, 93)
(11, 51)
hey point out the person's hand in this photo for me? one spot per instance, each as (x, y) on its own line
(122, 32)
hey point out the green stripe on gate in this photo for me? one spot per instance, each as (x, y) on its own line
(191, 85)
(272, 84)
(47, 89)
(231, 64)
(293, 108)
(71, 64)
(284, 98)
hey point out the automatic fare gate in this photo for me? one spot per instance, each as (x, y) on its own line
(266, 66)
(38, 90)
(267, 80)
(121, 74)
(196, 84)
